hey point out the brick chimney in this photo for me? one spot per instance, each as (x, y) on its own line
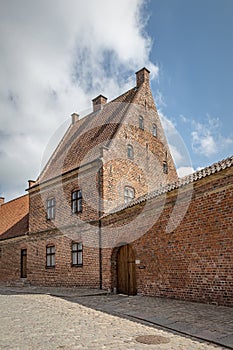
(75, 118)
(2, 200)
(142, 76)
(31, 183)
(98, 102)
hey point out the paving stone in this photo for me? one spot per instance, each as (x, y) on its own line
(70, 320)
(227, 341)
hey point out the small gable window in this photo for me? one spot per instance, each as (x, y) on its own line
(165, 167)
(128, 194)
(50, 208)
(76, 201)
(154, 130)
(50, 256)
(77, 254)
(141, 123)
(130, 153)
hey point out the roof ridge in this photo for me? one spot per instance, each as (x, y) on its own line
(124, 93)
(14, 199)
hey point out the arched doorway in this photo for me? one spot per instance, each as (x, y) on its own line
(126, 272)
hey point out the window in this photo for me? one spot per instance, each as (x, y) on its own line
(50, 256)
(130, 151)
(165, 167)
(141, 123)
(51, 208)
(77, 254)
(154, 130)
(76, 201)
(128, 194)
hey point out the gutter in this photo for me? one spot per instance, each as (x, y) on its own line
(100, 193)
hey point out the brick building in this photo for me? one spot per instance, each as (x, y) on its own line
(14, 226)
(109, 211)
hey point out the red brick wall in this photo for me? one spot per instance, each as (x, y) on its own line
(195, 261)
(145, 171)
(10, 259)
(63, 274)
(61, 190)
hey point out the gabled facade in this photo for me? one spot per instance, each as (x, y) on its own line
(116, 153)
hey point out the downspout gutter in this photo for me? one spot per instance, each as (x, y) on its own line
(100, 197)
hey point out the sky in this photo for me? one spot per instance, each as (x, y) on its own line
(56, 56)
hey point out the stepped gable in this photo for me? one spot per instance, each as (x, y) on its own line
(212, 169)
(14, 218)
(82, 142)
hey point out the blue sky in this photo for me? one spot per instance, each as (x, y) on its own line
(193, 47)
(56, 56)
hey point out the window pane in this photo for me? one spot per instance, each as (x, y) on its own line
(74, 258)
(74, 246)
(52, 260)
(79, 204)
(154, 130)
(80, 246)
(48, 260)
(141, 123)
(79, 194)
(52, 249)
(74, 206)
(80, 257)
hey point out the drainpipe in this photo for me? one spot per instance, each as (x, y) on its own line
(100, 193)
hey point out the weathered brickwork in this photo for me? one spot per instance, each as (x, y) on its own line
(63, 274)
(61, 191)
(193, 262)
(144, 172)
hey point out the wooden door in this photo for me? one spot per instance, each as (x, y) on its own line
(23, 263)
(126, 273)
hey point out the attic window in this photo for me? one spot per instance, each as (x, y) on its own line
(50, 206)
(141, 122)
(154, 130)
(165, 167)
(128, 194)
(130, 152)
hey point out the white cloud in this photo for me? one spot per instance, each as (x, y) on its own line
(55, 57)
(183, 171)
(203, 142)
(176, 144)
(207, 139)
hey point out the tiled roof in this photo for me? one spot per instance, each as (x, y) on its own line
(212, 169)
(14, 217)
(82, 141)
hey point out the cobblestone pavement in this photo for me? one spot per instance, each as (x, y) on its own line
(41, 321)
(208, 322)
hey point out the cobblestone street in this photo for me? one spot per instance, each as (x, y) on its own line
(42, 321)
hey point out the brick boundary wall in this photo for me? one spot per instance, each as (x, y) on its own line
(195, 261)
